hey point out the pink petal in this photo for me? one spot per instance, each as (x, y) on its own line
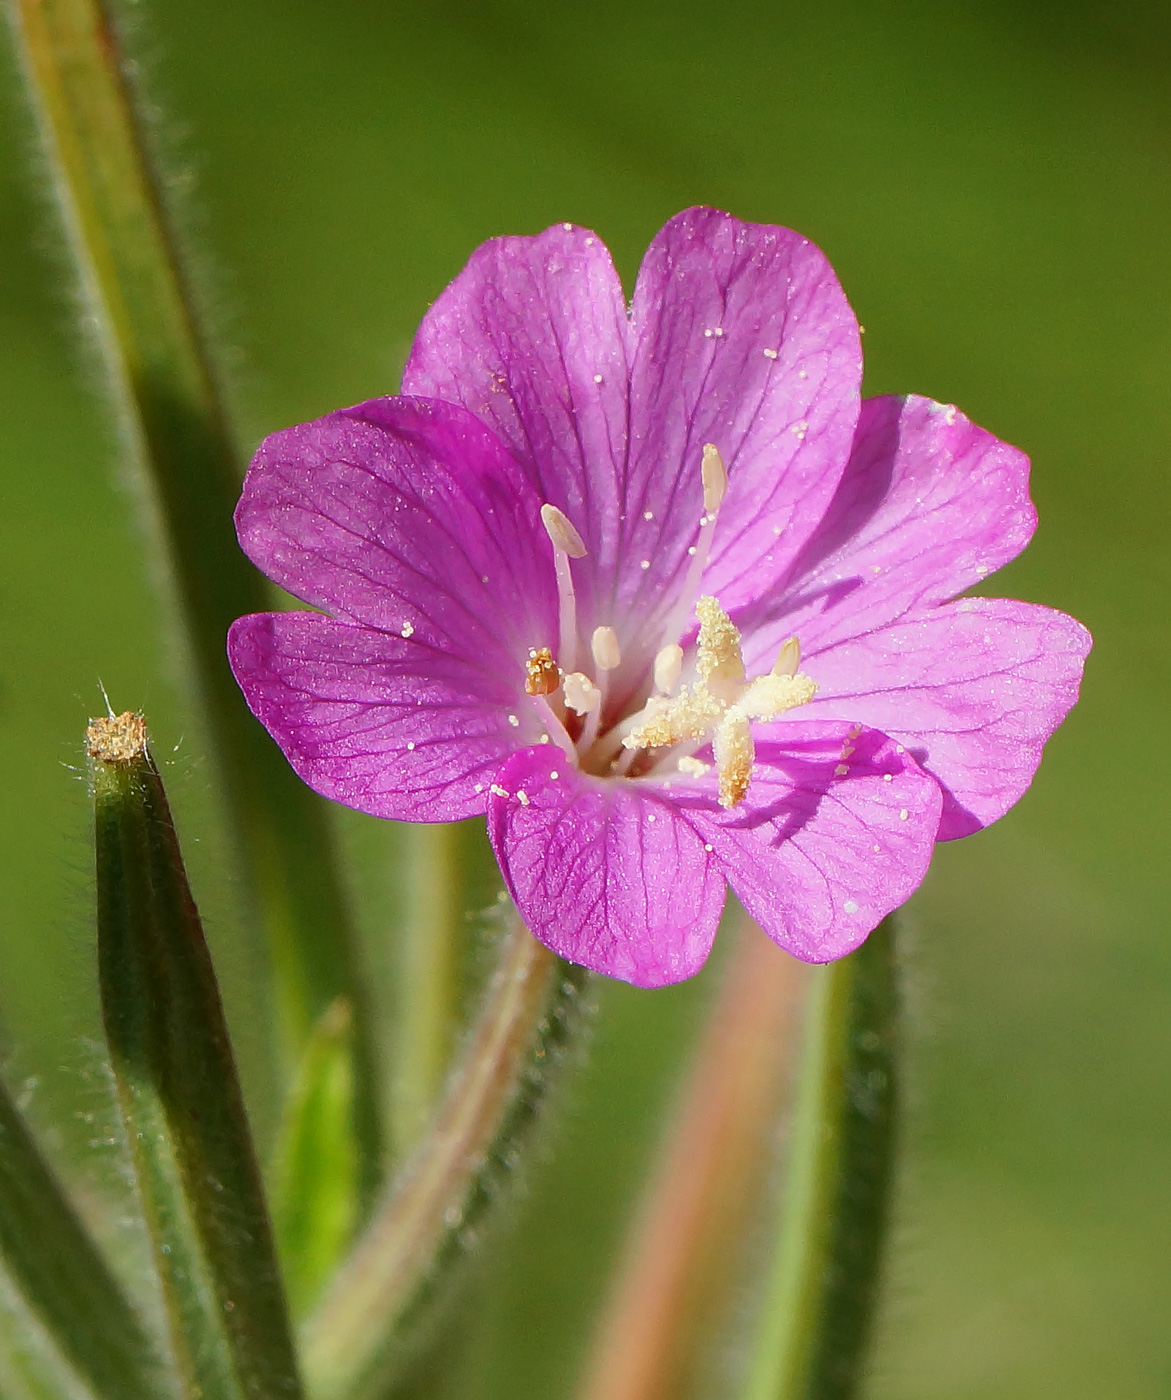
(972, 688)
(929, 505)
(818, 855)
(532, 337)
(603, 871)
(388, 726)
(745, 340)
(409, 516)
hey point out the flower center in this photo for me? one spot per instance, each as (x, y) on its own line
(721, 703)
(718, 705)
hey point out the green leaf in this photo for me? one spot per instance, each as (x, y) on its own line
(369, 1320)
(165, 389)
(315, 1168)
(819, 1305)
(31, 1364)
(178, 1090)
(61, 1274)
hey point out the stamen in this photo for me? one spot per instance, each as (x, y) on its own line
(718, 656)
(714, 477)
(557, 731)
(768, 697)
(788, 661)
(567, 544)
(734, 753)
(542, 674)
(690, 715)
(606, 651)
(565, 538)
(581, 694)
(668, 668)
(625, 762)
(584, 697)
(720, 705)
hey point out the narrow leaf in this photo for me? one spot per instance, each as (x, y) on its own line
(165, 390)
(62, 1275)
(31, 1364)
(356, 1341)
(819, 1306)
(178, 1089)
(315, 1168)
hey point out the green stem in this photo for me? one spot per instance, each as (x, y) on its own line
(425, 1004)
(62, 1275)
(819, 1306)
(178, 1090)
(672, 1304)
(173, 413)
(358, 1338)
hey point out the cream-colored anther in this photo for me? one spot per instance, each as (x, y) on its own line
(715, 478)
(606, 651)
(718, 655)
(691, 714)
(668, 668)
(581, 694)
(561, 532)
(788, 661)
(768, 697)
(734, 753)
(722, 703)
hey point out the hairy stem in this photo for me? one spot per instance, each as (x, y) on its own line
(819, 1304)
(355, 1342)
(670, 1302)
(176, 425)
(428, 969)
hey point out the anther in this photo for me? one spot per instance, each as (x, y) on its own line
(567, 545)
(542, 674)
(581, 694)
(718, 657)
(734, 753)
(721, 704)
(715, 478)
(668, 668)
(606, 651)
(565, 538)
(788, 661)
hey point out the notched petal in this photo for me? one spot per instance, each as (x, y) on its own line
(378, 723)
(836, 830)
(603, 871)
(972, 688)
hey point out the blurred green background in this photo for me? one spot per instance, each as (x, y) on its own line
(990, 180)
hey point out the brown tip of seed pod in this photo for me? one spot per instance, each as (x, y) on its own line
(116, 738)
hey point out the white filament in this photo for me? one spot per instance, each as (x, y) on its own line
(567, 544)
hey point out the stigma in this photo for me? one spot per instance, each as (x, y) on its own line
(721, 704)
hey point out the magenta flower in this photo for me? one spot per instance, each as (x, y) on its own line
(658, 593)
